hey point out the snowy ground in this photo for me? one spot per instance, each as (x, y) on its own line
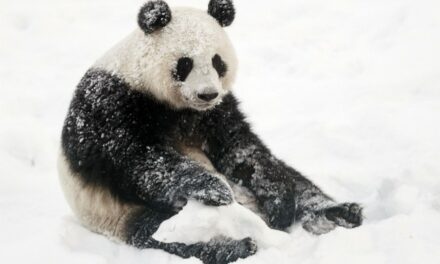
(346, 91)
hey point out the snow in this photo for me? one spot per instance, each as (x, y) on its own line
(197, 222)
(346, 91)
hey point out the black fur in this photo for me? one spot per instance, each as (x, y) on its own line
(124, 140)
(183, 69)
(219, 65)
(346, 214)
(153, 16)
(223, 11)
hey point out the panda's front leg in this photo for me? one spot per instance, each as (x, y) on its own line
(319, 213)
(165, 180)
(284, 196)
(162, 177)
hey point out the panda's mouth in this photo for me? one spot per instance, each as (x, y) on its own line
(203, 106)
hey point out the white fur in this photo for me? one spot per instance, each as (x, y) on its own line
(94, 206)
(146, 61)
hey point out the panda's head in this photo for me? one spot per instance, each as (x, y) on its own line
(181, 56)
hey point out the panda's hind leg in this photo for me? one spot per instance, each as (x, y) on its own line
(221, 250)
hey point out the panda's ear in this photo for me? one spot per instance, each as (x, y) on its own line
(154, 15)
(223, 11)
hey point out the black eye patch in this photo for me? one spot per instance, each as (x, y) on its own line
(219, 65)
(183, 69)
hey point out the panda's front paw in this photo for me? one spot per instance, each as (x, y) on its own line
(348, 215)
(213, 196)
(210, 190)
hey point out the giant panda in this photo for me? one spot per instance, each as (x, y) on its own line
(153, 123)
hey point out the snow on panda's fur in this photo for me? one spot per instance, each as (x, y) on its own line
(154, 123)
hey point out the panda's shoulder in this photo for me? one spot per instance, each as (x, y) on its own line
(102, 88)
(97, 80)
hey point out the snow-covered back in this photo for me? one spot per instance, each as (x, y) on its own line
(348, 92)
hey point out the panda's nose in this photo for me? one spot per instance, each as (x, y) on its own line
(207, 97)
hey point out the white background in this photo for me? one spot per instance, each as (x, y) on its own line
(348, 92)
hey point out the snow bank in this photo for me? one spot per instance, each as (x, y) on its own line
(346, 91)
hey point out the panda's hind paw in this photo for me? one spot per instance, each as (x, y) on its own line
(226, 250)
(249, 246)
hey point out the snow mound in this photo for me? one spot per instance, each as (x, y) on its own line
(197, 222)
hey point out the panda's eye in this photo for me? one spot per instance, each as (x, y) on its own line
(219, 65)
(183, 69)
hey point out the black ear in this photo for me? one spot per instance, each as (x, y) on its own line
(223, 11)
(154, 15)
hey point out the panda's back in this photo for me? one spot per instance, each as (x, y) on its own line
(104, 117)
(95, 207)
